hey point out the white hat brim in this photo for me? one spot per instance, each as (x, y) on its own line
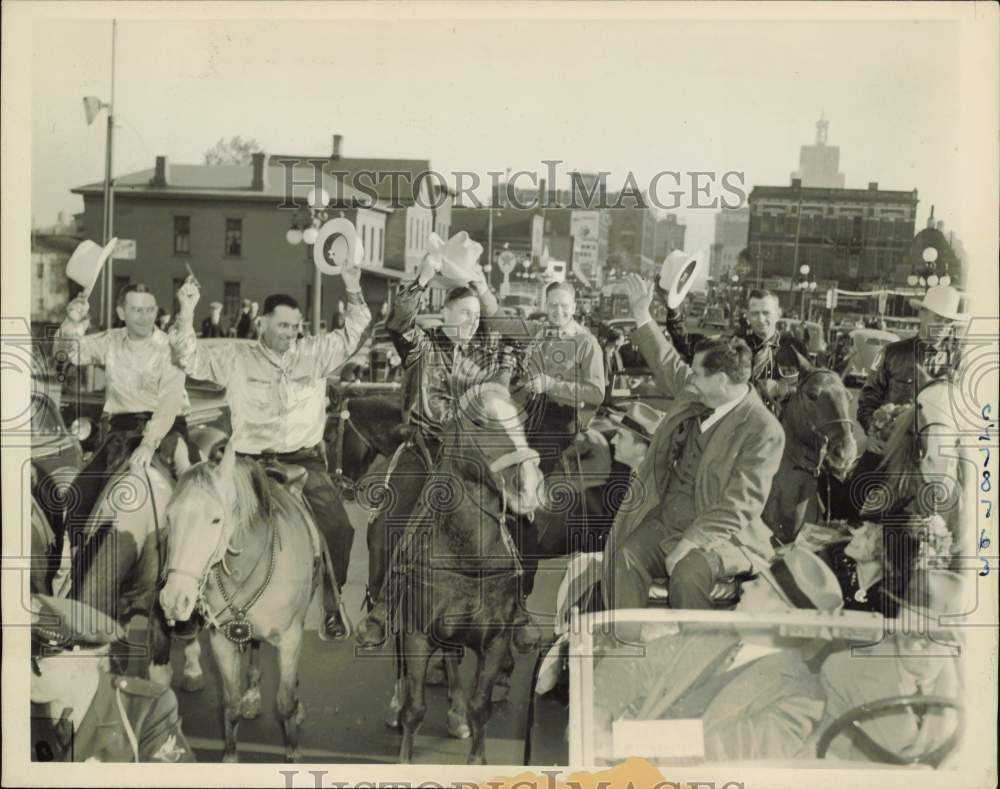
(328, 233)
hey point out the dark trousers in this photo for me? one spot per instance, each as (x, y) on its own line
(325, 503)
(641, 559)
(386, 528)
(123, 436)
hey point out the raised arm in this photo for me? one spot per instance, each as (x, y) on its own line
(194, 358)
(334, 347)
(401, 322)
(669, 369)
(72, 340)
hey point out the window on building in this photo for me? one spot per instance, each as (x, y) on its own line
(234, 237)
(231, 303)
(182, 235)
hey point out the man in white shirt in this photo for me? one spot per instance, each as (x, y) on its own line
(276, 391)
(145, 398)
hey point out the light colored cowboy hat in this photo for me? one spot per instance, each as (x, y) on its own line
(640, 419)
(942, 300)
(336, 245)
(805, 581)
(677, 275)
(457, 261)
(86, 262)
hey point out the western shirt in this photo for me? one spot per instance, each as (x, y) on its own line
(140, 374)
(277, 401)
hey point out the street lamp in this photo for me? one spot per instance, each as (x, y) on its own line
(807, 284)
(929, 277)
(317, 206)
(92, 107)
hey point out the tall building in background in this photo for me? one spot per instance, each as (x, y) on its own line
(669, 236)
(732, 226)
(819, 164)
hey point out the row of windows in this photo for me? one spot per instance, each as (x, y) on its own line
(831, 227)
(232, 241)
(373, 253)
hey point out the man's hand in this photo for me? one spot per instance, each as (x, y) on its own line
(640, 296)
(78, 309)
(187, 297)
(429, 267)
(682, 549)
(352, 278)
(141, 458)
(539, 384)
(479, 283)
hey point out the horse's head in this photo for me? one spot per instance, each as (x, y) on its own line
(490, 429)
(821, 413)
(207, 508)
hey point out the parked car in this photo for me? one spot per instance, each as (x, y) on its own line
(864, 346)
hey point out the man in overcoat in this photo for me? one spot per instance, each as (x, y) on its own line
(702, 486)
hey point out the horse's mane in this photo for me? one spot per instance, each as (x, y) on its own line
(245, 503)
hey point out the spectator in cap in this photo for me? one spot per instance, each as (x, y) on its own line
(79, 711)
(635, 433)
(213, 326)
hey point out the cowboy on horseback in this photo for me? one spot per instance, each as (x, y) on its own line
(145, 398)
(440, 365)
(276, 391)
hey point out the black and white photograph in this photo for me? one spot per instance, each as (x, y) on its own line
(534, 394)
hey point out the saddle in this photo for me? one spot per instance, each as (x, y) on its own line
(286, 474)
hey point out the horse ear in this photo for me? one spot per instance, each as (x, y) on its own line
(262, 487)
(805, 365)
(228, 463)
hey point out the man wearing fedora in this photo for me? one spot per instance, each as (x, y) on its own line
(702, 487)
(902, 368)
(634, 434)
(81, 713)
(439, 366)
(276, 392)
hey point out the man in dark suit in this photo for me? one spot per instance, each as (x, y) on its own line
(702, 486)
(79, 712)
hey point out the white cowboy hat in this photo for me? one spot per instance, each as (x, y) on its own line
(805, 581)
(336, 244)
(86, 262)
(677, 275)
(457, 260)
(942, 300)
(640, 418)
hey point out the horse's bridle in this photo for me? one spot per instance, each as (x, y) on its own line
(343, 421)
(818, 429)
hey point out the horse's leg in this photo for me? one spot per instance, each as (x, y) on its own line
(250, 703)
(194, 678)
(229, 660)
(488, 669)
(417, 650)
(158, 643)
(290, 708)
(502, 686)
(458, 712)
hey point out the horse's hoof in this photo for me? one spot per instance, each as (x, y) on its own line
(457, 727)
(230, 758)
(250, 705)
(392, 720)
(192, 683)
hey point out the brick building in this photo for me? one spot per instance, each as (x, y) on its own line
(855, 239)
(632, 234)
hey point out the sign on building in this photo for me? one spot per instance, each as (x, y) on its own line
(124, 249)
(537, 235)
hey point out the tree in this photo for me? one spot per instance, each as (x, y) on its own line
(234, 151)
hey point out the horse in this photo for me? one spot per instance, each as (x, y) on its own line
(819, 437)
(459, 571)
(243, 550)
(359, 430)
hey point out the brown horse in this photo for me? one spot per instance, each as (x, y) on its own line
(459, 571)
(242, 549)
(359, 430)
(819, 436)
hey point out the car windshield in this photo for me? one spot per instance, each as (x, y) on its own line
(682, 687)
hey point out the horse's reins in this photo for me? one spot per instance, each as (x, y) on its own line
(818, 429)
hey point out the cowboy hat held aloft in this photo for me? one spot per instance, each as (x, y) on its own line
(337, 245)
(456, 261)
(678, 274)
(85, 264)
(942, 300)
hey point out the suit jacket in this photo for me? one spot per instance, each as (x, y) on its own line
(732, 482)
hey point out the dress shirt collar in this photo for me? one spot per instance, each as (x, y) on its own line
(723, 409)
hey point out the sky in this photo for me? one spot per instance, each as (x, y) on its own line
(640, 96)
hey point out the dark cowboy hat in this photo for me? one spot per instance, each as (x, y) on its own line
(640, 418)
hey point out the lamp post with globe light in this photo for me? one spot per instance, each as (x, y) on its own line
(928, 278)
(807, 284)
(306, 232)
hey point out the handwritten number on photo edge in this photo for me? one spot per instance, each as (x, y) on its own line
(989, 507)
(986, 460)
(986, 486)
(986, 567)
